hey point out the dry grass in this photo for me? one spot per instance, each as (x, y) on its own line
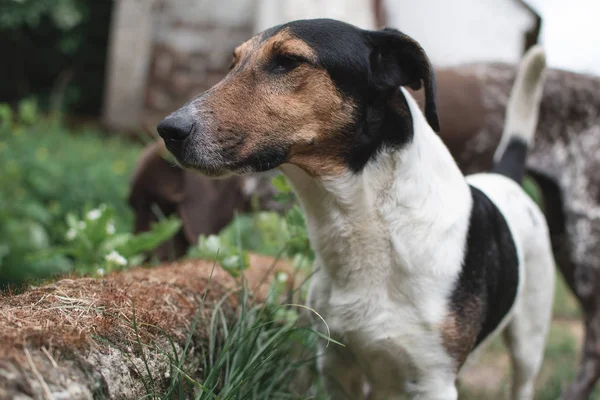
(64, 320)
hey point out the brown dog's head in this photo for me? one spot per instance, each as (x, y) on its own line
(204, 205)
(319, 94)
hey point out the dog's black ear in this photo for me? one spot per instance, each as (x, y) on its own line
(398, 60)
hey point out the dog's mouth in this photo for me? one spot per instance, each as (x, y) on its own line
(174, 146)
(215, 161)
(208, 161)
(205, 165)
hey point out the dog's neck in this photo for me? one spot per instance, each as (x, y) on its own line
(405, 205)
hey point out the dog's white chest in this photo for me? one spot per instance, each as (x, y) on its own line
(387, 330)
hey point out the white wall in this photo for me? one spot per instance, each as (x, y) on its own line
(275, 12)
(130, 45)
(459, 31)
(571, 33)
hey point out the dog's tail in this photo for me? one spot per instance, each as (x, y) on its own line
(521, 116)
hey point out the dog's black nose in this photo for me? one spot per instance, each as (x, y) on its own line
(175, 127)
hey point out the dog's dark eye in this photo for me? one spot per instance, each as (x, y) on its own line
(283, 63)
(234, 60)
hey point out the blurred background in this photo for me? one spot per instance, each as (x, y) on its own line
(85, 82)
(128, 62)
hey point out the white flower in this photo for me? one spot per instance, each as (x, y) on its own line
(110, 227)
(71, 234)
(115, 258)
(81, 224)
(94, 214)
(212, 244)
(100, 271)
(282, 277)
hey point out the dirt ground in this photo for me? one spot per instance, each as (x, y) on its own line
(88, 338)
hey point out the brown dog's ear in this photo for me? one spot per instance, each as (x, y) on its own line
(398, 60)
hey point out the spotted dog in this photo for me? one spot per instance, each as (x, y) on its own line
(416, 266)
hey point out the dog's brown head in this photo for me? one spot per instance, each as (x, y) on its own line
(320, 94)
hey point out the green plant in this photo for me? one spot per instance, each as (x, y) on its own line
(95, 247)
(48, 171)
(56, 51)
(64, 13)
(255, 357)
(298, 244)
(256, 352)
(533, 190)
(263, 232)
(230, 257)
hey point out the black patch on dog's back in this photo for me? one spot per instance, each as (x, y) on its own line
(487, 285)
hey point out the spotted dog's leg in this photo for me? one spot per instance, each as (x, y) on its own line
(589, 368)
(584, 233)
(582, 280)
(341, 374)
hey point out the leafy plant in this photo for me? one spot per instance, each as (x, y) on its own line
(258, 352)
(56, 51)
(255, 357)
(94, 245)
(65, 13)
(263, 232)
(230, 257)
(48, 171)
(533, 190)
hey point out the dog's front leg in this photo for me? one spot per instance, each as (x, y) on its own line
(341, 374)
(338, 368)
(438, 388)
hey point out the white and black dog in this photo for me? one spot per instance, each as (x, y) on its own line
(416, 265)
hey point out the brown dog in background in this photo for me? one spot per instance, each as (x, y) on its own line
(205, 206)
(472, 99)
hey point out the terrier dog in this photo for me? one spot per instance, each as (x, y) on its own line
(416, 266)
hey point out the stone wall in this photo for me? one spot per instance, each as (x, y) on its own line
(192, 47)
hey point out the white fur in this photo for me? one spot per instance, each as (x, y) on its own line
(390, 244)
